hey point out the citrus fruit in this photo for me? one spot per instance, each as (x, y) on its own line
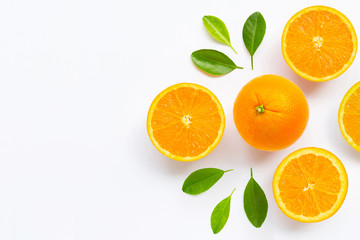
(349, 116)
(185, 122)
(270, 112)
(319, 43)
(310, 185)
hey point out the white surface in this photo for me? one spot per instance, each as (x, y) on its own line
(77, 79)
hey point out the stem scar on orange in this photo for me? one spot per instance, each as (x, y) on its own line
(310, 185)
(185, 122)
(319, 43)
(349, 116)
(271, 112)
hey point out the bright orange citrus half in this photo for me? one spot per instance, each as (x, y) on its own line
(349, 116)
(310, 185)
(319, 43)
(185, 122)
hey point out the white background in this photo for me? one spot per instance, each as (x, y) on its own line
(76, 81)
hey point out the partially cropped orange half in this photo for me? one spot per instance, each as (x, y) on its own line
(349, 116)
(310, 185)
(185, 122)
(319, 43)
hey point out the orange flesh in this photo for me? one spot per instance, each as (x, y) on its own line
(309, 185)
(351, 118)
(319, 43)
(186, 121)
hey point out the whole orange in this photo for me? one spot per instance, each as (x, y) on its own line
(271, 112)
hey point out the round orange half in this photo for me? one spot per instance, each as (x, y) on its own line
(319, 43)
(310, 185)
(185, 122)
(349, 116)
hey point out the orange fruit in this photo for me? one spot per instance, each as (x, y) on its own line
(271, 113)
(310, 185)
(185, 122)
(319, 43)
(349, 116)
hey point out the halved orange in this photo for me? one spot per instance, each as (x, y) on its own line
(349, 116)
(185, 122)
(310, 185)
(319, 43)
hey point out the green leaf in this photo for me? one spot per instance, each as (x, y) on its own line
(213, 62)
(255, 203)
(217, 29)
(220, 214)
(202, 180)
(253, 33)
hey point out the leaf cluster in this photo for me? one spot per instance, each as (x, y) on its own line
(255, 202)
(217, 63)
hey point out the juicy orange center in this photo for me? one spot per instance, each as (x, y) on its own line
(186, 122)
(186, 119)
(319, 43)
(309, 185)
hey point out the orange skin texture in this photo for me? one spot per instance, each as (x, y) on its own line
(285, 116)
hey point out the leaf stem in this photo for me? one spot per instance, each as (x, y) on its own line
(229, 170)
(239, 67)
(232, 192)
(233, 49)
(260, 109)
(252, 62)
(251, 173)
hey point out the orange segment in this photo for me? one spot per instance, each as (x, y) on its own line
(349, 116)
(319, 43)
(185, 122)
(310, 185)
